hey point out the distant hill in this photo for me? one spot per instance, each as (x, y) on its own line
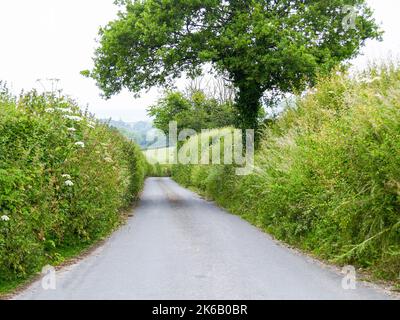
(142, 132)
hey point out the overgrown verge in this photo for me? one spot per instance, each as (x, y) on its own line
(65, 178)
(327, 176)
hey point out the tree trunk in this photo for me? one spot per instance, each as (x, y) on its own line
(248, 105)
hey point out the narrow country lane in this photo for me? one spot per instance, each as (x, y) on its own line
(178, 246)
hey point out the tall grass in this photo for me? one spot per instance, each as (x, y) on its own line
(64, 179)
(328, 173)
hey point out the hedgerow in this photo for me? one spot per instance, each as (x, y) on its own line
(158, 170)
(64, 180)
(327, 176)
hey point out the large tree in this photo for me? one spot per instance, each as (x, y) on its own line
(259, 45)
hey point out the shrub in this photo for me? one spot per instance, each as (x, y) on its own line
(64, 179)
(328, 173)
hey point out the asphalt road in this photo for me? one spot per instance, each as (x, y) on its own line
(178, 246)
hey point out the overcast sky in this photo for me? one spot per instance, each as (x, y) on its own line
(41, 39)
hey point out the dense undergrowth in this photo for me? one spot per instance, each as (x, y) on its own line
(65, 179)
(327, 176)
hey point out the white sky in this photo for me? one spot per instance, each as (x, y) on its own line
(41, 39)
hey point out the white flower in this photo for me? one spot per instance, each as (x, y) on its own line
(5, 218)
(91, 126)
(49, 110)
(66, 176)
(69, 183)
(108, 159)
(74, 118)
(64, 109)
(71, 129)
(80, 144)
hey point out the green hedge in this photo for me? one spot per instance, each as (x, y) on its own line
(328, 173)
(158, 170)
(64, 179)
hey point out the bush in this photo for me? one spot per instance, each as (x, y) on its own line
(64, 179)
(328, 173)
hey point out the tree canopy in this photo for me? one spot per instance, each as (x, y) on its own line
(258, 45)
(196, 111)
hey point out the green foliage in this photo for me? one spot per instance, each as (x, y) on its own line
(195, 112)
(158, 170)
(259, 45)
(64, 179)
(141, 132)
(327, 173)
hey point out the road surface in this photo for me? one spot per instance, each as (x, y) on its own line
(178, 246)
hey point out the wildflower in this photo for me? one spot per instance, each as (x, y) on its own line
(66, 176)
(74, 118)
(69, 183)
(5, 218)
(80, 144)
(49, 110)
(71, 129)
(64, 109)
